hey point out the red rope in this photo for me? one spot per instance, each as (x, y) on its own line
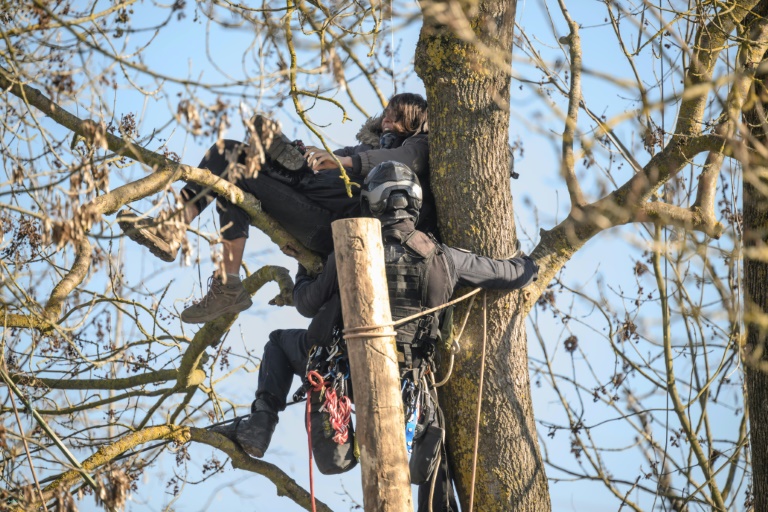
(340, 412)
(317, 383)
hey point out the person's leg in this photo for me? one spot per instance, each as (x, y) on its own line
(163, 235)
(300, 216)
(220, 160)
(232, 255)
(285, 355)
(310, 224)
(326, 189)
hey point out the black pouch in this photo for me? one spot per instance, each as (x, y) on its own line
(425, 454)
(331, 458)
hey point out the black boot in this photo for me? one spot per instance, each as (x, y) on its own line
(279, 147)
(253, 433)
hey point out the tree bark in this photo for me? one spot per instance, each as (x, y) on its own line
(755, 242)
(373, 365)
(465, 66)
(756, 312)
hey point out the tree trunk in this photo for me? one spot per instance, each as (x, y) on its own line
(755, 242)
(756, 309)
(756, 312)
(469, 162)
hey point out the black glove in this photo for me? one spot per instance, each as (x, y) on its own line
(532, 264)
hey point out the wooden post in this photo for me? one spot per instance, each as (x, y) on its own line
(373, 364)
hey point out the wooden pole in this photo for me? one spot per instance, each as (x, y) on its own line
(373, 364)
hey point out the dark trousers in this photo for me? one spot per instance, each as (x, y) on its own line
(305, 209)
(285, 355)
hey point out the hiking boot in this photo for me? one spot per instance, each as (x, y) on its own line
(253, 433)
(220, 300)
(163, 239)
(228, 430)
(279, 147)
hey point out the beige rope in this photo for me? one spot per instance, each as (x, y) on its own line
(374, 331)
(456, 347)
(438, 308)
(369, 331)
(479, 406)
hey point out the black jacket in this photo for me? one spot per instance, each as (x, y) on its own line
(414, 152)
(318, 298)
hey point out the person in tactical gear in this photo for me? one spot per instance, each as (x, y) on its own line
(421, 273)
(299, 187)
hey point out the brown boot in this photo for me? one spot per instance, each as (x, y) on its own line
(163, 239)
(220, 300)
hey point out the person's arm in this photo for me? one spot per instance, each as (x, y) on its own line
(320, 330)
(310, 293)
(472, 270)
(414, 153)
(352, 150)
(320, 160)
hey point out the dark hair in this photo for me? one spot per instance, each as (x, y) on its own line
(409, 111)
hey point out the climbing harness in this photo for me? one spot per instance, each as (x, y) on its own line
(413, 393)
(339, 410)
(327, 389)
(412, 408)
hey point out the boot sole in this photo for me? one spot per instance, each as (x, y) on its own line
(281, 150)
(237, 307)
(148, 240)
(252, 451)
(230, 432)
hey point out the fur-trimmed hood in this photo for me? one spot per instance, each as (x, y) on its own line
(371, 131)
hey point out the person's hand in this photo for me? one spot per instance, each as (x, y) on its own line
(321, 160)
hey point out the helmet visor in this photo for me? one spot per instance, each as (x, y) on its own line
(377, 197)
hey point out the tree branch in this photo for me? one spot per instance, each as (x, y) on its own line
(632, 201)
(691, 219)
(567, 166)
(710, 41)
(93, 384)
(109, 203)
(286, 486)
(707, 189)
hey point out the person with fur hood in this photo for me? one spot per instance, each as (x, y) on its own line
(300, 187)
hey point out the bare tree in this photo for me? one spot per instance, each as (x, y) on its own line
(73, 158)
(715, 57)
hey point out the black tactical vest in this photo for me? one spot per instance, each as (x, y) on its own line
(418, 279)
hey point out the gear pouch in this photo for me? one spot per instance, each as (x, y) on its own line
(331, 458)
(426, 449)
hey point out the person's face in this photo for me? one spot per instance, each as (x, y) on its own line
(388, 122)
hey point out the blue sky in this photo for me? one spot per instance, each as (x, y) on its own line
(541, 200)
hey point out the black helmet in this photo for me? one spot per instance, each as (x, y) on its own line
(391, 192)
